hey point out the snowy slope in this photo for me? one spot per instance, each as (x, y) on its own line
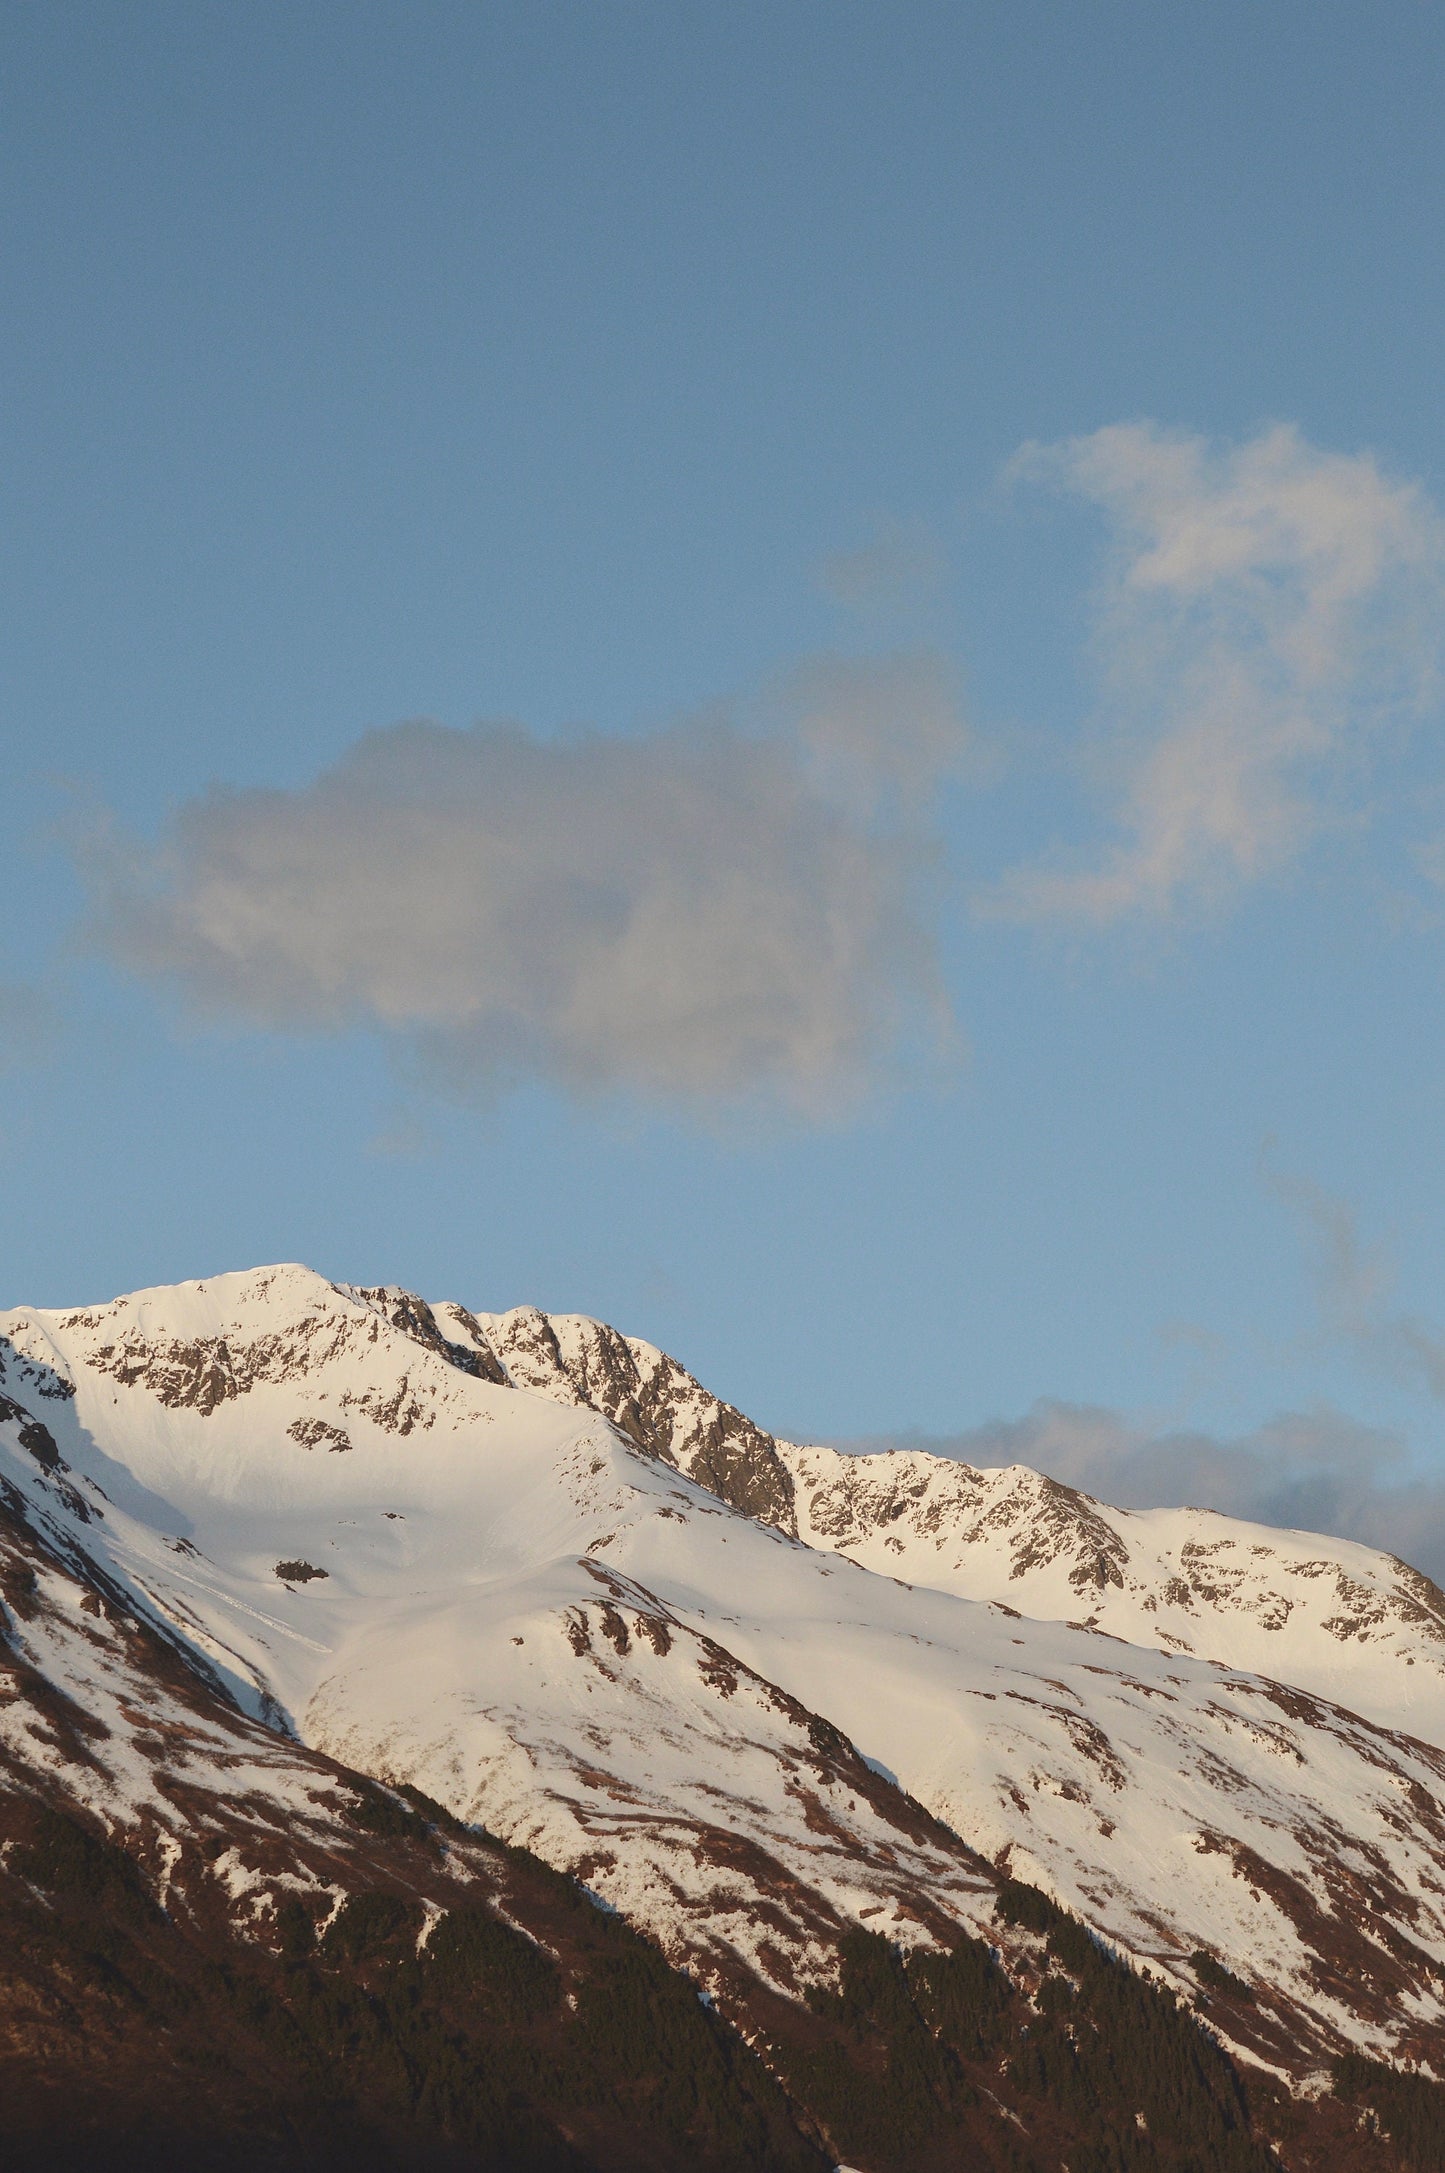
(373, 1535)
(464, 1629)
(1346, 1622)
(101, 1715)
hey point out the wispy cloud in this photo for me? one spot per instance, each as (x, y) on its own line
(1264, 605)
(700, 914)
(1355, 1284)
(900, 566)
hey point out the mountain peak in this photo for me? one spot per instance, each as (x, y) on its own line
(527, 1564)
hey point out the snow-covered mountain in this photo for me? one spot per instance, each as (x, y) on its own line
(530, 1566)
(1345, 1621)
(376, 1544)
(220, 1950)
(1348, 1622)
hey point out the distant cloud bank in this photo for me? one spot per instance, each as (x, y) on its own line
(1315, 1471)
(701, 914)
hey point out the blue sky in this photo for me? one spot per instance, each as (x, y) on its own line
(916, 927)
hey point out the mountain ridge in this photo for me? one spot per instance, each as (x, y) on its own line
(1185, 1579)
(449, 1551)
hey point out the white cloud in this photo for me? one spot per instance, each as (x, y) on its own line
(699, 914)
(1264, 605)
(846, 712)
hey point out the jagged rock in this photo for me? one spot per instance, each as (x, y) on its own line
(654, 1400)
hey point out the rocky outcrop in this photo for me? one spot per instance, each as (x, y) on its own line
(654, 1401)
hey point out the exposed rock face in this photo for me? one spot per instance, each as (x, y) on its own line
(319, 1433)
(654, 1400)
(415, 1318)
(32, 1433)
